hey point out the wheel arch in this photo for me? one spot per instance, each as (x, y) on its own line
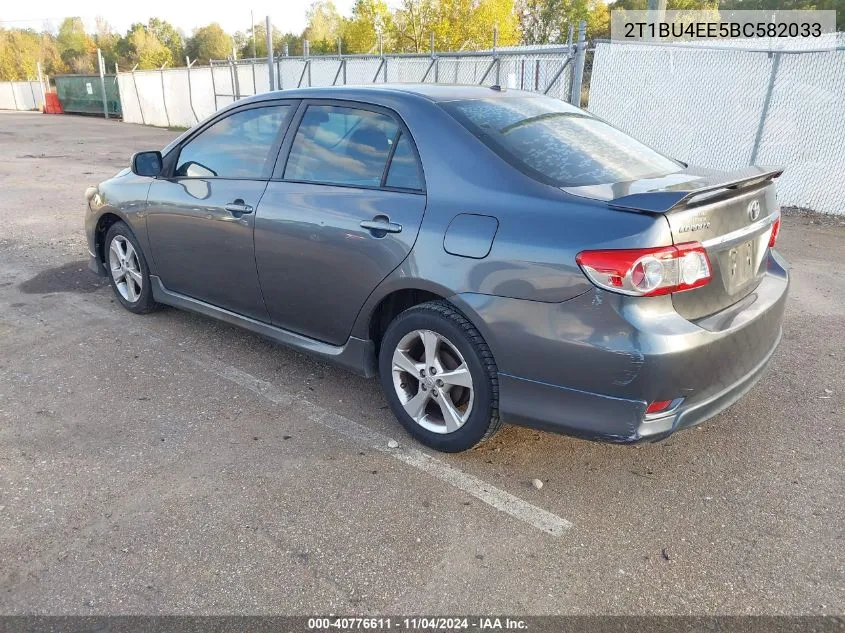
(106, 220)
(390, 304)
(392, 298)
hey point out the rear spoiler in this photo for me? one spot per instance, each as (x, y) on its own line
(666, 200)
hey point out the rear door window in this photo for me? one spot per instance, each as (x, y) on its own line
(557, 143)
(341, 145)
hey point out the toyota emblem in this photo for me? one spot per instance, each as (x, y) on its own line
(754, 210)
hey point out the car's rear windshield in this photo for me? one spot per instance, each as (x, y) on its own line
(557, 143)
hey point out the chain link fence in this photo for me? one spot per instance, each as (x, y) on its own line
(180, 97)
(730, 107)
(718, 107)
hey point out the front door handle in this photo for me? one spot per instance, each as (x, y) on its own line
(237, 207)
(381, 224)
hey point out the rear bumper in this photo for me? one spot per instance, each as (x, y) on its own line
(590, 366)
(598, 417)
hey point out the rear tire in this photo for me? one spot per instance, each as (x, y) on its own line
(127, 268)
(454, 407)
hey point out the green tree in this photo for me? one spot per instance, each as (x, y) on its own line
(51, 61)
(369, 19)
(324, 27)
(244, 44)
(209, 42)
(548, 21)
(468, 24)
(142, 47)
(75, 46)
(108, 42)
(170, 37)
(19, 54)
(293, 41)
(413, 21)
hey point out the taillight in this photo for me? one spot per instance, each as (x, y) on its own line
(775, 230)
(648, 272)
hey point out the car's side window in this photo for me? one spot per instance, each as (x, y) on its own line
(341, 145)
(403, 172)
(238, 146)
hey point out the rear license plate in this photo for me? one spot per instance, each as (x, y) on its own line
(740, 265)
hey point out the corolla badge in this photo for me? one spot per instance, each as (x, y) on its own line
(698, 223)
(754, 210)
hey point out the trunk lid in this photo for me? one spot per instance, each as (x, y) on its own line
(731, 214)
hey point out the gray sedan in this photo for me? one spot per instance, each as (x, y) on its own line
(491, 255)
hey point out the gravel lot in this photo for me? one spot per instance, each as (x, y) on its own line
(172, 464)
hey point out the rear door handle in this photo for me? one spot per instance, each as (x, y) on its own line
(237, 207)
(381, 224)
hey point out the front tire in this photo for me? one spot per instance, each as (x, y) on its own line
(439, 377)
(129, 275)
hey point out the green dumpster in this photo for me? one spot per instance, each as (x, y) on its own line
(81, 94)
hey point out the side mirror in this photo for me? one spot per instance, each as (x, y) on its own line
(147, 164)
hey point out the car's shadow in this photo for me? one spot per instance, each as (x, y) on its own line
(70, 277)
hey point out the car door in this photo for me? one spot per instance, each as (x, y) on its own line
(342, 211)
(200, 219)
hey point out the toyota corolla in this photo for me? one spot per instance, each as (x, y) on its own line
(493, 256)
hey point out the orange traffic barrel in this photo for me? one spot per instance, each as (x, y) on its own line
(52, 104)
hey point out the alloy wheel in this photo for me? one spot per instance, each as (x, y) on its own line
(125, 268)
(432, 381)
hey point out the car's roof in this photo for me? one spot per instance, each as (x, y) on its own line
(432, 92)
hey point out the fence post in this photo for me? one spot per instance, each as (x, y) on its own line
(213, 83)
(307, 51)
(278, 64)
(656, 11)
(188, 64)
(164, 95)
(41, 84)
(32, 92)
(14, 98)
(578, 70)
(434, 57)
(269, 29)
(103, 82)
(764, 113)
(138, 95)
(496, 54)
(236, 82)
(383, 58)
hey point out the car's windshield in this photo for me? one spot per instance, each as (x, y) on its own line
(558, 143)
